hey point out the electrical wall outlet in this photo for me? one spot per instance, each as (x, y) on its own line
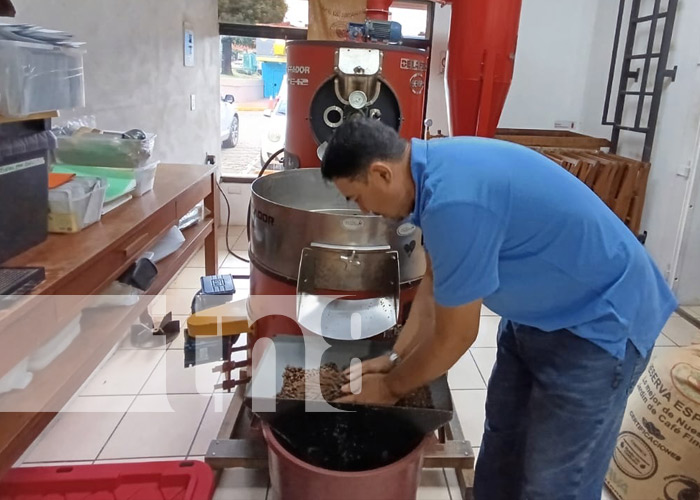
(192, 102)
(564, 124)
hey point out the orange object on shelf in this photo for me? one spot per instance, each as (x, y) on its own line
(56, 180)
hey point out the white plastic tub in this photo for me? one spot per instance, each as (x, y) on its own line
(145, 178)
(68, 214)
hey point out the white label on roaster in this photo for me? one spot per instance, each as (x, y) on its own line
(352, 224)
(406, 229)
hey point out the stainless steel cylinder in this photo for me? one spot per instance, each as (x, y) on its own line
(295, 209)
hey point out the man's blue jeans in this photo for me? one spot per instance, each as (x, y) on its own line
(553, 411)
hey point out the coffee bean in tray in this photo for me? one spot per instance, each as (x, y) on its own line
(325, 384)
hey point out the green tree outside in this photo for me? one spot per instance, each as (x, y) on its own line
(252, 11)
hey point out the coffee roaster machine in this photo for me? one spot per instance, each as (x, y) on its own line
(318, 265)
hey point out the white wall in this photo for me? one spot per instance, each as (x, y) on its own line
(552, 65)
(437, 104)
(677, 147)
(674, 147)
(688, 273)
(134, 72)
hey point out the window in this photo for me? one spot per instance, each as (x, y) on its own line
(253, 72)
(293, 15)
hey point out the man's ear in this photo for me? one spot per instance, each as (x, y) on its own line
(381, 171)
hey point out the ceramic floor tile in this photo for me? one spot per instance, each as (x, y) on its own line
(694, 311)
(179, 300)
(241, 244)
(606, 494)
(465, 375)
(232, 265)
(664, 350)
(139, 460)
(242, 484)
(664, 341)
(157, 426)
(433, 485)
(198, 259)
(234, 232)
(488, 330)
(189, 277)
(241, 284)
(242, 293)
(485, 358)
(179, 342)
(176, 301)
(470, 406)
(171, 376)
(124, 373)
(55, 464)
(80, 432)
(211, 423)
(681, 332)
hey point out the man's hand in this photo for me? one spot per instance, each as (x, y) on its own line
(382, 364)
(374, 392)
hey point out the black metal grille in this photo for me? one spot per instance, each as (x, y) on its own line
(622, 98)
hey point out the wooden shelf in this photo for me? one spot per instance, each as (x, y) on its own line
(78, 266)
(37, 116)
(82, 264)
(23, 412)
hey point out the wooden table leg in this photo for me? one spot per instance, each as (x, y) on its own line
(211, 243)
(465, 478)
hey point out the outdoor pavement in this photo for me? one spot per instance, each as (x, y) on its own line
(244, 159)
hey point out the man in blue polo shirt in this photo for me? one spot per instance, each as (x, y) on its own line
(582, 302)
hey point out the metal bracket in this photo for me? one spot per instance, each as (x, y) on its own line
(671, 73)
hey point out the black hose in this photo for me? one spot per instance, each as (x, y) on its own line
(228, 208)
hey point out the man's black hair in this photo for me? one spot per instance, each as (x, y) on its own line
(358, 143)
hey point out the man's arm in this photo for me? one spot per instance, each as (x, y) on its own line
(455, 330)
(420, 322)
(421, 319)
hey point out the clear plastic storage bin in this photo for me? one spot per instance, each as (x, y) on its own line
(68, 214)
(104, 150)
(35, 78)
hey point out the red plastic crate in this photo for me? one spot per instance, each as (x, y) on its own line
(187, 480)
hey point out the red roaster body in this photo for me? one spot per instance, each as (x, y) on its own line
(311, 64)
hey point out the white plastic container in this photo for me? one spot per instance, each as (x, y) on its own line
(69, 214)
(168, 244)
(36, 77)
(145, 178)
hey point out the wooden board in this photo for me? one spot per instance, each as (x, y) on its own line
(38, 116)
(551, 138)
